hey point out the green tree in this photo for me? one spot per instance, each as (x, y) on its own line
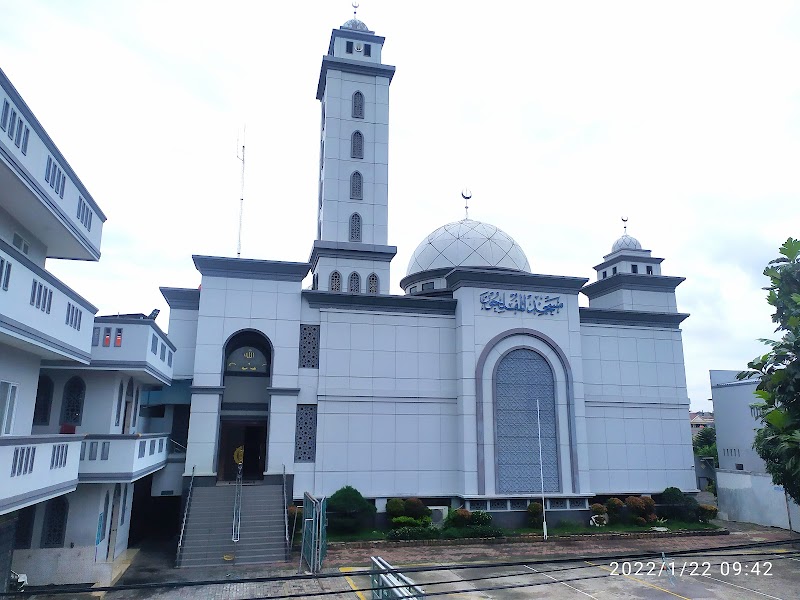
(705, 444)
(778, 391)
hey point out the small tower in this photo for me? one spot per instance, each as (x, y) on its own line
(629, 278)
(350, 253)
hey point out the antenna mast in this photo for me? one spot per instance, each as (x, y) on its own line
(241, 195)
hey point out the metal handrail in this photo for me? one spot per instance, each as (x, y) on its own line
(286, 515)
(174, 443)
(185, 515)
(237, 508)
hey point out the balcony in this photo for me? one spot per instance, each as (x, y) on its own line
(40, 314)
(35, 468)
(112, 458)
(39, 189)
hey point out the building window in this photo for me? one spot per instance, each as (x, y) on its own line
(354, 283)
(12, 124)
(372, 284)
(739, 467)
(118, 337)
(41, 297)
(84, 214)
(8, 404)
(55, 177)
(107, 337)
(169, 358)
(357, 145)
(104, 448)
(649, 270)
(25, 137)
(24, 532)
(309, 346)
(44, 400)
(428, 285)
(605, 274)
(413, 289)
(154, 344)
(5, 273)
(634, 268)
(336, 282)
(72, 403)
(355, 227)
(104, 518)
(96, 336)
(163, 354)
(74, 315)
(124, 504)
(367, 49)
(358, 105)
(54, 527)
(4, 117)
(348, 47)
(305, 435)
(356, 186)
(20, 244)
(142, 448)
(120, 395)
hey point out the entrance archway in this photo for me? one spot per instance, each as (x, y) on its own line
(244, 412)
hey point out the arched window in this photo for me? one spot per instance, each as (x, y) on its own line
(72, 403)
(372, 284)
(355, 227)
(357, 145)
(104, 518)
(336, 282)
(120, 395)
(54, 527)
(354, 283)
(358, 105)
(356, 186)
(44, 400)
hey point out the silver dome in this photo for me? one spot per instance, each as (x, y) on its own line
(468, 243)
(355, 24)
(626, 242)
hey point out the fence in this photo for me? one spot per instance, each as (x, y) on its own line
(388, 583)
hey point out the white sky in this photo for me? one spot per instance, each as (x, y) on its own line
(560, 117)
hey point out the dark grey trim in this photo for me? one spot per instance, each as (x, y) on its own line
(36, 496)
(353, 34)
(283, 391)
(727, 384)
(111, 365)
(245, 406)
(37, 127)
(207, 389)
(350, 250)
(632, 281)
(384, 302)
(127, 477)
(30, 440)
(181, 298)
(645, 260)
(47, 276)
(351, 66)
(30, 332)
(634, 318)
(519, 280)
(570, 402)
(246, 268)
(410, 280)
(131, 321)
(125, 436)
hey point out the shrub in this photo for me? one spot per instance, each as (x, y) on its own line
(480, 517)
(651, 517)
(398, 522)
(395, 507)
(614, 507)
(460, 517)
(598, 509)
(293, 511)
(677, 505)
(414, 507)
(473, 531)
(649, 505)
(413, 533)
(535, 514)
(636, 506)
(640, 521)
(707, 512)
(347, 510)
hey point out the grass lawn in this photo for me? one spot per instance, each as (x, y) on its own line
(565, 528)
(361, 536)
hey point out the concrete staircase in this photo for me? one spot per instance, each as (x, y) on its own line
(207, 538)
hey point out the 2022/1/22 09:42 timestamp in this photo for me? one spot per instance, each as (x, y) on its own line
(691, 568)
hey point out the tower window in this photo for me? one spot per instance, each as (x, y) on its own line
(372, 284)
(336, 282)
(348, 47)
(367, 50)
(354, 283)
(428, 285)
(357, 145)
(614, 271)
(649, 270)
(634, 268)
(356, 186)
(358, 105)
(605, 274)
(355, 227)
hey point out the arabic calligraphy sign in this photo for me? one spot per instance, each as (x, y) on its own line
(534, 304)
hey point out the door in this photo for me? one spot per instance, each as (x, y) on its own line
(252, 437)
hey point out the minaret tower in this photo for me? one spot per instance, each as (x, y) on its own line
(351, 253)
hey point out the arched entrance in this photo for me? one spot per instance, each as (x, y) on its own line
(245, 406)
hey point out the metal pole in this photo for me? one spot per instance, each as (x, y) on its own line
(541, 470)
(788, 514)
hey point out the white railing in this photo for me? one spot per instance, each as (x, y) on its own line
(111, 457)
(185, 515)
(388, 582)
(237, 507)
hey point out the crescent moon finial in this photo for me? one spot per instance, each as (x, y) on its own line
(466, 194)
(355, 6)
(625, 225)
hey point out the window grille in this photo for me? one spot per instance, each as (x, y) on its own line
(72, 405)
(558, 503)
(355, 227)
(354, 283)
(477, 505)
(372, 284)
(305, 437)
(357, 145)
(356, 186)
(358, 105)
(44, 400)
(309, 346)
(55, 523)
(336, 282)
(498, 505)
(519, 504)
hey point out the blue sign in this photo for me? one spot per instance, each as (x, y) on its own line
(534, 304)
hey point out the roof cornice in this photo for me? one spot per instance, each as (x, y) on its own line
(181, 298)
(357, 250)
(519, 280)
(633, 318)
(648, 260)
(245, 268)
(632, 281)
(380, 302)
(351, 66)
(353, 34)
